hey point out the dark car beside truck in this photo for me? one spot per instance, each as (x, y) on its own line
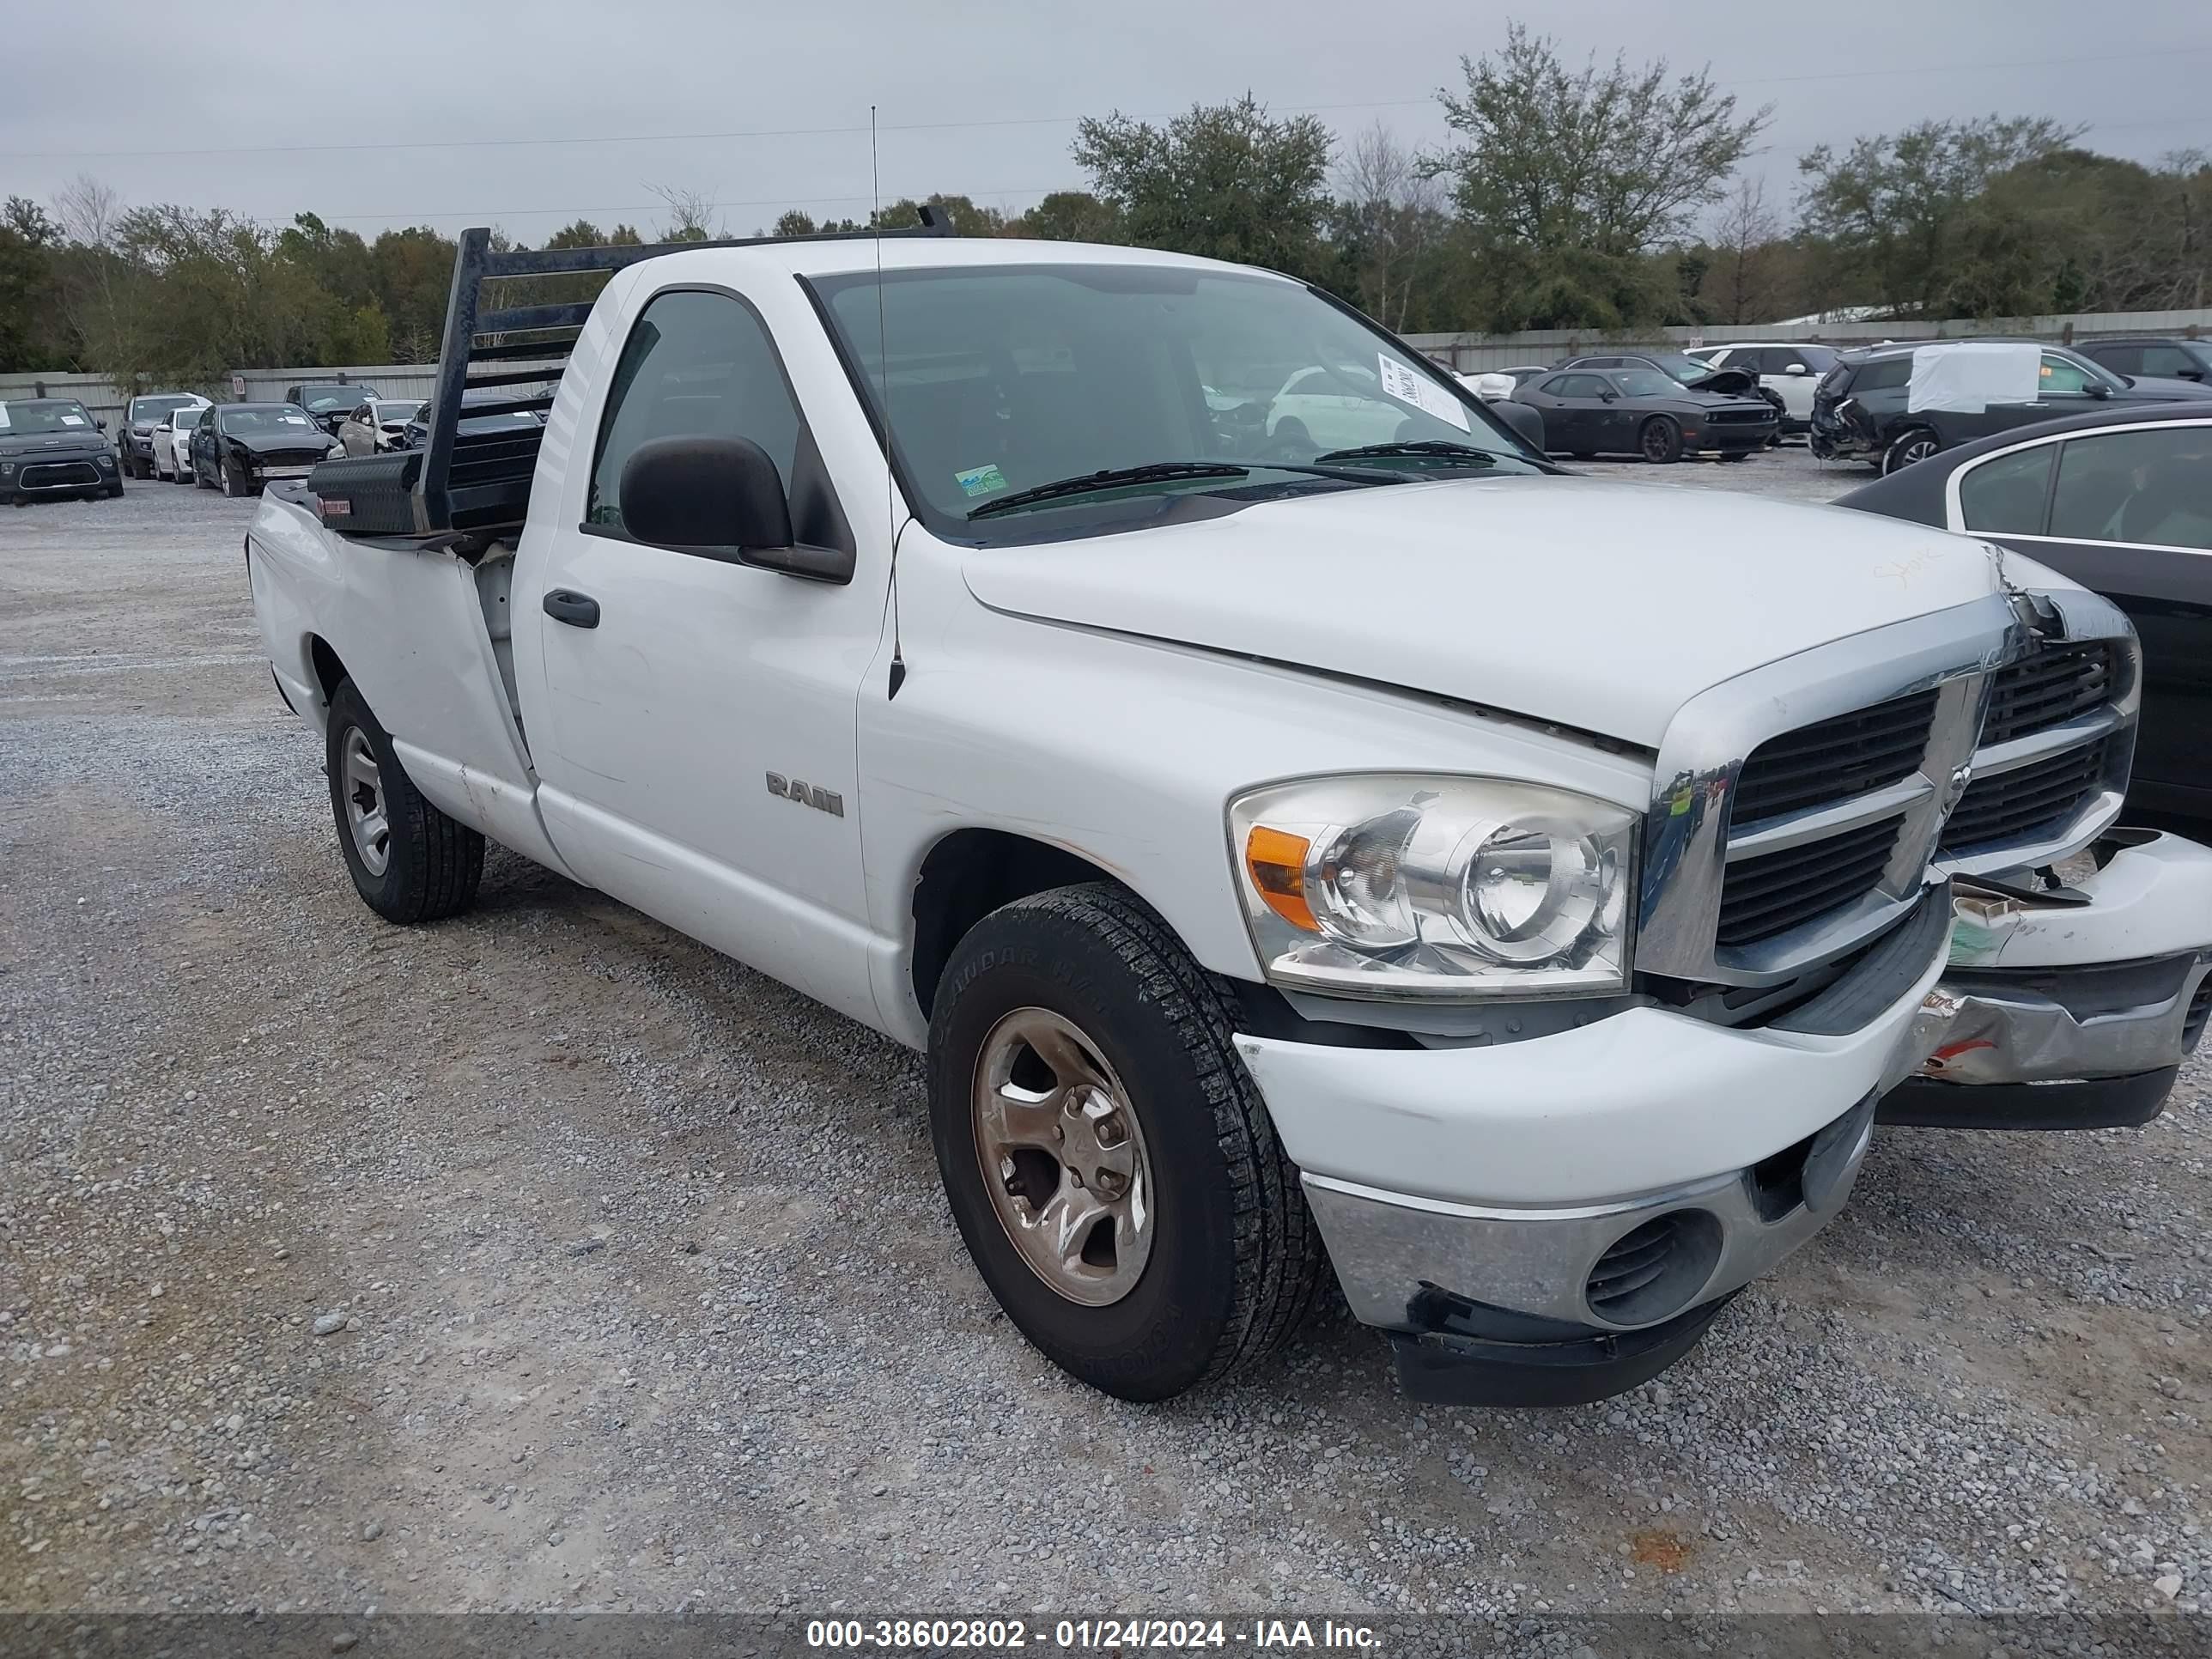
(1637, 409)
(328, 403)
(2120, 500)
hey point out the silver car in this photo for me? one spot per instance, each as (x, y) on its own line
(377, 424)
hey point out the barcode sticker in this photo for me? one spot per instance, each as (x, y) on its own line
(1423, 393)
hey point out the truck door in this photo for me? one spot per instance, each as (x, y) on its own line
(696, 737)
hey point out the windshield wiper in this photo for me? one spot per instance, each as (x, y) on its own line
(1443, 448)
(1112, 477)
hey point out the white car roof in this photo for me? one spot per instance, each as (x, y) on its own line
(844, 256)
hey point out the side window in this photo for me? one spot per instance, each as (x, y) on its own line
(695, 366)
(1884, 376)
(2121, 359)
(1574, 385)
(2007, 494)
(2170, 362)
(2152, 485)
(2061, 379)
(1753, 360)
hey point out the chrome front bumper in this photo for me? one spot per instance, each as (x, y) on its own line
(2040, 995)
(1409, 1263)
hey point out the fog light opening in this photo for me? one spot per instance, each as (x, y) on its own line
(1655, 1270)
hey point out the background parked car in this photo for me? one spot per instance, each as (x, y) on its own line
(173, 437)
(53, 446)
(1687, 370)
(329, 403)
(2120, 500)
(2159, 357)
(377, 424)
(1495, 386)
(1790, 372)
(1641, 411)
(1859, 408)
(135, 442)
(239, 448)
(417, 430)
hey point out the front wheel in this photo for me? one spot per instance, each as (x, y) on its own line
(223, 480)
(1660, 442)
(1110, 1163)
(1917, 445)
(408, 862)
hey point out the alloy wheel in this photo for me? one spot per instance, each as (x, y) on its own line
(1063, 1157)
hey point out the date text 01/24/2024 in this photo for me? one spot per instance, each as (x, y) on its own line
(989, 1635)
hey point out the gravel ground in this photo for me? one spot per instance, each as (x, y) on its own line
(542, 1259)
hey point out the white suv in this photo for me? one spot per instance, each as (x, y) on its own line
(1790, 370)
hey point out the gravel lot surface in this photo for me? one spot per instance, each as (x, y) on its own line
(542, 1259)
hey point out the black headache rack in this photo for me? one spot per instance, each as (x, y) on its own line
(464, 484)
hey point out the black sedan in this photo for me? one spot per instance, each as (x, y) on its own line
(53, 446)
(2120, 500)
(239, 448)
(1642, 411)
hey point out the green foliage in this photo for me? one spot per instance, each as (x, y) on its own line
(1570, 181)
(28, 303)
(1895, 208)
(1224, 181)
(1070, 215)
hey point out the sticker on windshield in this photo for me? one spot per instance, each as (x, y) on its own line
(293, 420)
(1424, 394)
(72, 420)
(981, 480)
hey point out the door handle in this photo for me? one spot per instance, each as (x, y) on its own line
(565, 605)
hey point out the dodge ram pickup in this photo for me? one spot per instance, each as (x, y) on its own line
(1391, 854)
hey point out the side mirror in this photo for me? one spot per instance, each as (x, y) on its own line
(720, 498)
(1609, 397)
(1794, 368)
(2189, 375)
(1526, 422)
(99, 425)
(2097, 389)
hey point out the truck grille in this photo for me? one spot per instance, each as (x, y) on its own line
(1776, 891)
(2026, 803)
(2046, 689)
(60, 475)
(1834, 759)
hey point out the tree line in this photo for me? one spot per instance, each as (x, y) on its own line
(1601, 197)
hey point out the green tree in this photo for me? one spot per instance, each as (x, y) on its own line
(30, 335)
(1895, 208)
(1569, 180)
(1224, 181)
(413, 272)
(1070, 215)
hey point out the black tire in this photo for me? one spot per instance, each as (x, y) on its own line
(1659, 440)
(432, 864)
(1234, 1260)
(1736, 454)
(223, 480)
(1915, 445)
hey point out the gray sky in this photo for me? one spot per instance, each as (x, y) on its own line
(976, 98)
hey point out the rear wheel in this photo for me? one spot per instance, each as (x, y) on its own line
(408, 862)
(1659, 440)
(1917, 445)
(1107, 1159)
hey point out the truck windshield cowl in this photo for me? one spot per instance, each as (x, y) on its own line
(1001, 379)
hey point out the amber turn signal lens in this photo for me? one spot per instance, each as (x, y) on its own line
(1276, 860)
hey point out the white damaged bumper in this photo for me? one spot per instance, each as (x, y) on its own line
(2069, 1011)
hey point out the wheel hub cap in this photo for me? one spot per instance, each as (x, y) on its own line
(1063, 1158)
(363, 782)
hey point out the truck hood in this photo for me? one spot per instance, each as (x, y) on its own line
(1576, 601)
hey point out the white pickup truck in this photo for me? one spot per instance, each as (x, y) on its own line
(1516, 890)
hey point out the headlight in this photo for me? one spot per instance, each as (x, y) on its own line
(1438, 889)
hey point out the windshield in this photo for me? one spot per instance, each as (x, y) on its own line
(1817, 359)
(46, 415)
(281, 419)
(144, 410)
(1644, 383)
(328, 399)
(1688, 370)
(1003, 379)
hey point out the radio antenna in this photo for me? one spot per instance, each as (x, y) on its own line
(884, 357)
